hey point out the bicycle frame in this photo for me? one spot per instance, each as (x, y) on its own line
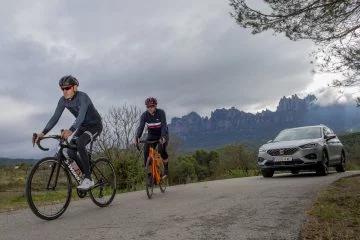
(71, 169)
(63, 160)
(156, 162)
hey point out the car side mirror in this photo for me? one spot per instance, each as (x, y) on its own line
(330, 136)
(270, 141)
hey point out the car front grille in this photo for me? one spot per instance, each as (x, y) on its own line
(282, 151)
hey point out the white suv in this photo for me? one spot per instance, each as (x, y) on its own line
(305, 148)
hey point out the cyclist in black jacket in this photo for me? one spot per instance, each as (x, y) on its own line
(88, 124)
(155, 119)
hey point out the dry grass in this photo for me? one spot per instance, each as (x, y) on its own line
(336, 213)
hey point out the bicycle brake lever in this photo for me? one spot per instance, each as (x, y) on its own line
(38, 143)
(34, 138)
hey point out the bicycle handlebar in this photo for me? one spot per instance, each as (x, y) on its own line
(149, 142)
(56, 137)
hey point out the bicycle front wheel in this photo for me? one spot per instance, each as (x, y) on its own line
(149, 181)
(48, 189)
(103, 174)
(149, 185)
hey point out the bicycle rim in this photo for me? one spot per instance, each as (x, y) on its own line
(150, 190)
(48, 189)
(163, 184)
(149, 182)
(103, 174)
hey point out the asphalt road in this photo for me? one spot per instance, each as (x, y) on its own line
(244, 208)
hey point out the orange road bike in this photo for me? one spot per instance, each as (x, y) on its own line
(154, 170)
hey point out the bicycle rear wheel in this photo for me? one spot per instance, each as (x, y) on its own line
(163, 184)
(48, 189)
(103, 174)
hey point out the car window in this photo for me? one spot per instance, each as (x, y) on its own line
(327, 131)
(299, 133)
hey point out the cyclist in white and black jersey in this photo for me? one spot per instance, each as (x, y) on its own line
(155, 120)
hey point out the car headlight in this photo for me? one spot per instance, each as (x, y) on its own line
(261, 150)
(310, 146)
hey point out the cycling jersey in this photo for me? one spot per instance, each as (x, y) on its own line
(156, 124)
(81, 107)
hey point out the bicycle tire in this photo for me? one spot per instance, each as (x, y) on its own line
(98, 177)
(29, 184)
(149, 186)
(163, 184)
(149, 181)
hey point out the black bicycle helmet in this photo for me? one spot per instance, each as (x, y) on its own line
(68, 80)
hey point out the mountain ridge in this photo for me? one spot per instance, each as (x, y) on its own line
(15, 161)
(227, 126)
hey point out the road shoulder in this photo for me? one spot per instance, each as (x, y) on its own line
(335, 214)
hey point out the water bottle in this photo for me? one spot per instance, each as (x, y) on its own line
(76, 168)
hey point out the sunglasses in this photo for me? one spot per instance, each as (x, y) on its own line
(151, 106)
(67, 88)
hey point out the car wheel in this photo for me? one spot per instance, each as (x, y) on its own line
(267, 173)
(295, 171)
(323, 167)
(341, 167)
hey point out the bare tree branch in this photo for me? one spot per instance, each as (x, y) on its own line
(119, 127)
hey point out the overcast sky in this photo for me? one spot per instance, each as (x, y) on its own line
(190, 54)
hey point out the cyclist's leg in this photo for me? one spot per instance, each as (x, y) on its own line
(88, 136)
(146, 153)
(164, 156)
(73, 153)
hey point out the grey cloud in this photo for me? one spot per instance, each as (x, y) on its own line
(189, 54)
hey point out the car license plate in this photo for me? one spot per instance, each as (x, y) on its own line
(283, 159)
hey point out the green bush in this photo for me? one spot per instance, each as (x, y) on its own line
(182, 170)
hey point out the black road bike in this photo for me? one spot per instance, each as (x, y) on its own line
(48, 187)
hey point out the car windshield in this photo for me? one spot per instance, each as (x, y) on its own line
(299, 134)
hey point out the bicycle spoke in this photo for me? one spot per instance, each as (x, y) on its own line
(97, 172)
(48, 189)
(105, 183)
